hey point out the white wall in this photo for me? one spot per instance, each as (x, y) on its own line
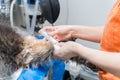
(84, 12)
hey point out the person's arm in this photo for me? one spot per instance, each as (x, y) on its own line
(105, 60)
(66, 32)
(93, 34)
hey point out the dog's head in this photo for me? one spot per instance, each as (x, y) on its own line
(22, 50)
(34, 52)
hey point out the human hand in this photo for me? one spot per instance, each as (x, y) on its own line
(60, 33)
(67, 51)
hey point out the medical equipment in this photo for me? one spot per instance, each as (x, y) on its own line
(30, 15)
(4, 7)
(49, 38)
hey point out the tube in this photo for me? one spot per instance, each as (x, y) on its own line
(11, 13)
(27, 20)
(34, 16)
(51, 39)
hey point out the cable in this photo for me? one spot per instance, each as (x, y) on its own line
(34, 16)
(11, 13)
(7, 7)
(27, 20)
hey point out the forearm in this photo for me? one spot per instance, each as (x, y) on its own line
(104, 60)
(88, 33)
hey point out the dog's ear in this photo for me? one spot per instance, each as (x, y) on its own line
(24, 58)
(34, 52)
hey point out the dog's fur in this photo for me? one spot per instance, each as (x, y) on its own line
(81, 61)
(18, 52)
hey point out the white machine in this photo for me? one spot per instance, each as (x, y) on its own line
(30, 14)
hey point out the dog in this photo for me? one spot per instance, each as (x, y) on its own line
(18, 52)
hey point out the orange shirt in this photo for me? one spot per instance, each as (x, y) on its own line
(111, 38)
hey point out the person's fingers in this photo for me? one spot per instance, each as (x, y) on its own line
(49, 28)
(60, 44)
(60, 39)
(55, 55)
(56, 38)
(53, 33)
(62, 59)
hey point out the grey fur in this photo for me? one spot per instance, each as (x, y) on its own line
(14, 52)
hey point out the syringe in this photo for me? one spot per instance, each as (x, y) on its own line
(51, 39)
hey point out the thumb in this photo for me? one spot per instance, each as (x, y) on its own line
(53, 33)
